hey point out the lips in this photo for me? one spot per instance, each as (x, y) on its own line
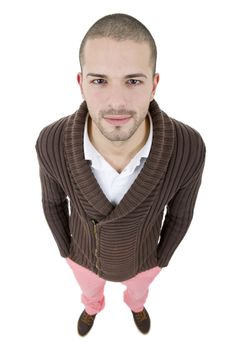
(117, 119)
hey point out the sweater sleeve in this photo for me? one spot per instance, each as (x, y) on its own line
(178, 217)
(55, 208)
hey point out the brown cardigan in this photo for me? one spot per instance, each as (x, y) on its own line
(118, 242)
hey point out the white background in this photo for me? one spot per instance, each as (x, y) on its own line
(190, 302)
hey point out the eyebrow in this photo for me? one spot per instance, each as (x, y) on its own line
(135, 75)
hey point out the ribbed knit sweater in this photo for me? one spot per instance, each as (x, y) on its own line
(117, 242)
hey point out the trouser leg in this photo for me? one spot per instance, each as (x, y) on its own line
(137, 289)
(92, 287)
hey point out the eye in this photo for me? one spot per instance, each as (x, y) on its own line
(98, 81)
(134, 82)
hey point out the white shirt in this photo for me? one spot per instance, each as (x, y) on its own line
(113, 184)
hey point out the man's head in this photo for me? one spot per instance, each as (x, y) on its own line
(120, 27)
(118, 61)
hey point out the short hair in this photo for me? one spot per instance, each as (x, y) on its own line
(120, 27)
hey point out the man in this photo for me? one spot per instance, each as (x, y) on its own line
(109, 170)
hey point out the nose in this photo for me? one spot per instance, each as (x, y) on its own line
(116, 97)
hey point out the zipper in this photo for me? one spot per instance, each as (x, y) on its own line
(95, 228)
(96, 240)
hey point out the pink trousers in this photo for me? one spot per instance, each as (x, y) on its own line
(92, 287)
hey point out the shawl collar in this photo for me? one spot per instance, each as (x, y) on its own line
(84, 180)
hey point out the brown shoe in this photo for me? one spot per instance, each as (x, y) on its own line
(85, 323)
(142, 320)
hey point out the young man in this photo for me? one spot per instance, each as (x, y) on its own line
(118, 161)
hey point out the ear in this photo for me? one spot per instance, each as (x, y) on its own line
(155, 83)
(80, 82)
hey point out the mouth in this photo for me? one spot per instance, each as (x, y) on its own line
(117, 119)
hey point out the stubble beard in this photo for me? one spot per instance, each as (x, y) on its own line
(118, 134)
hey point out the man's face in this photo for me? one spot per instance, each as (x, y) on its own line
(118, 85)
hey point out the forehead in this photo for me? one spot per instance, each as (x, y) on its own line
(112, 54)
